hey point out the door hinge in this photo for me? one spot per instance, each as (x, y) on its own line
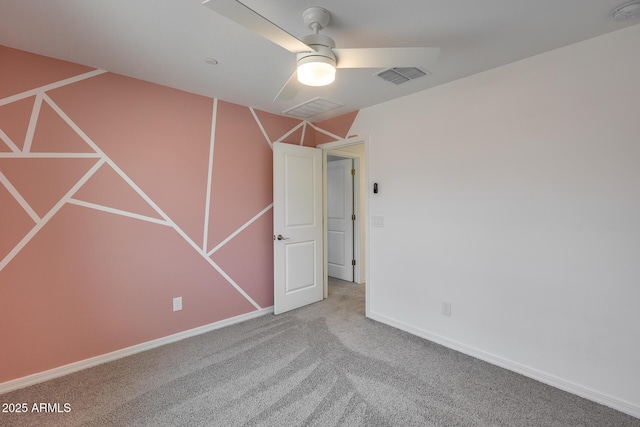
(353, 262)
(353, 217)
(353, 172)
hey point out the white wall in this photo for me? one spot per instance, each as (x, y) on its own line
(514, 194)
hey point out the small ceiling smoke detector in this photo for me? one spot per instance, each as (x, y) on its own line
(211, 61)
(628, 10)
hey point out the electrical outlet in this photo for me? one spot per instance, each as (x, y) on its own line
(446, 308)
(177, 304)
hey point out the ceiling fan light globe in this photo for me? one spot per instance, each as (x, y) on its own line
(316, 73)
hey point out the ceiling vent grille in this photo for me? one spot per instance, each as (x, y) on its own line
(401, 75)
(311, 108)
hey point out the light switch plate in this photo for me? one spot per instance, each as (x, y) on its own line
(446, 308)
(377, 221)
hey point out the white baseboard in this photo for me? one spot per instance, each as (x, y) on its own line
(119, 354)
(568, 386)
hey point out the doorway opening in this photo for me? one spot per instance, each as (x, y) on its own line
(350, 151)
(300, 221)
(341, 217)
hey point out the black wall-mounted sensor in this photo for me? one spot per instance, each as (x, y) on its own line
(375, 188)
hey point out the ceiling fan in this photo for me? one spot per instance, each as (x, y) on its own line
(317, 55)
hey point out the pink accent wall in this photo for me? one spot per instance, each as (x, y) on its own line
(21, 71)
(43, 182)
(242, 172)
(338, 126)
(15, 223)
(54, 135)
(106, 213)
(277, 127)
(14, 120)
(248, 258)
(158, 136)
(107, 188)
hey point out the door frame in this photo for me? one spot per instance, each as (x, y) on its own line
(360, 216)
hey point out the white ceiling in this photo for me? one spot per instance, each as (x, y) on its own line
(167, 41)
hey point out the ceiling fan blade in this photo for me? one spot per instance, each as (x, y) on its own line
(386, 57)
(290, 89)
(257, 23)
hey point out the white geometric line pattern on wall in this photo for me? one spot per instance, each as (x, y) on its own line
(286, 135)
(50, 214)
(103, 158)
(40, 97)
(37, 105)
(5, 138)
(325, 132)
(255, 117)
(304, 131)
(142, 194)
(207, 205)
(21, 201)
(239, 230)
(116, 211)
(50, 86)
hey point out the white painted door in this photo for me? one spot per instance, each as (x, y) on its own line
(339, 219)
(297, 226)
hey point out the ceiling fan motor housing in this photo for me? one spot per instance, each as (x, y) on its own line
(317, 67)
(322, 46)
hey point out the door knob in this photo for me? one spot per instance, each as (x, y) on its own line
(281, 237)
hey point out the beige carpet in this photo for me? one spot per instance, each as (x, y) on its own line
(324, 365)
